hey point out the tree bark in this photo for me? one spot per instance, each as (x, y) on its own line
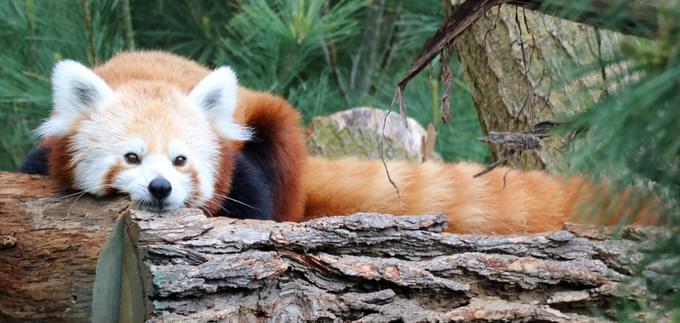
(48, 249)
(371, 268)
(183, 266)
(638, 18)
(516, 62)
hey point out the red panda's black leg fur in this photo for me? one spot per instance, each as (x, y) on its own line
(36, 162)
(252, 185)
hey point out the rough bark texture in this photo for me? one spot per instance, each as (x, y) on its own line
(371, 268)
(48, 249)
(366, 267)
(639, 18)
(516, 61)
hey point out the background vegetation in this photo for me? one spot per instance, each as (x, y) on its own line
(323, 56)
(631, 136)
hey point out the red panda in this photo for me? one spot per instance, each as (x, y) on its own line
(170, 133)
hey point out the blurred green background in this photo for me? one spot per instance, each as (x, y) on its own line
(323, 56)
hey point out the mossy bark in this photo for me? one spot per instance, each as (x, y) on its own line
(360, 131)
(522, 65)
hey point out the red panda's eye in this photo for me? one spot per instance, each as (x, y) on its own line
(179, 161)
(132, 158)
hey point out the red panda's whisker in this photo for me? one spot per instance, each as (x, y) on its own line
(69, 195)
(211, 204)
(227, 197)
(79, 193)
(142, 204)
(219, 206)
(193, 199)
(68, 213)
(239, 202)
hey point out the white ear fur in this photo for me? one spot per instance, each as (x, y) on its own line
(216, 94)
(75, 89)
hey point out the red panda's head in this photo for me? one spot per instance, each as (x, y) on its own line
(147, 139)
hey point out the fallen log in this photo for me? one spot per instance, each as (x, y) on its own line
(51, 242)
(183, 266)
(370, 268)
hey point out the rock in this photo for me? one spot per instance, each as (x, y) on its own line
(358, 132)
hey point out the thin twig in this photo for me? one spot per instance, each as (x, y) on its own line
(381, 147)
(446, 77)
(495, 164)
(399, 95)
(603, 69)
(460, 20)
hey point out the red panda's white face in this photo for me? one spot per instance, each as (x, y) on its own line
(145, 138)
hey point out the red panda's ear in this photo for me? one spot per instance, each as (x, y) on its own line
(216, 94)
(75, 89)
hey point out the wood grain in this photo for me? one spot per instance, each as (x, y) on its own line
(46, 274)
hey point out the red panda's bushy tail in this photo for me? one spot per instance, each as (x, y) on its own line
(502, 201)
(277, 132)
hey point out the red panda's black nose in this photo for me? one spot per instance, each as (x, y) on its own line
(160, 188)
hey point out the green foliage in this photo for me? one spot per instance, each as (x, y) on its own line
(630, 136)
(632, 132)
(277, 43)
(34, 36)
(323, 56)
(633, 139)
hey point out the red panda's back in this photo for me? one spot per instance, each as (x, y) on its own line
(152, 66)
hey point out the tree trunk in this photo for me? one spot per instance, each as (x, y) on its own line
(639, 18)
(48, 249)
(516, 61)
(369, 268)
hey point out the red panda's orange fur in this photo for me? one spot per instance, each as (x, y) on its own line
(283, 123)
(500, 202)
(60, 165)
